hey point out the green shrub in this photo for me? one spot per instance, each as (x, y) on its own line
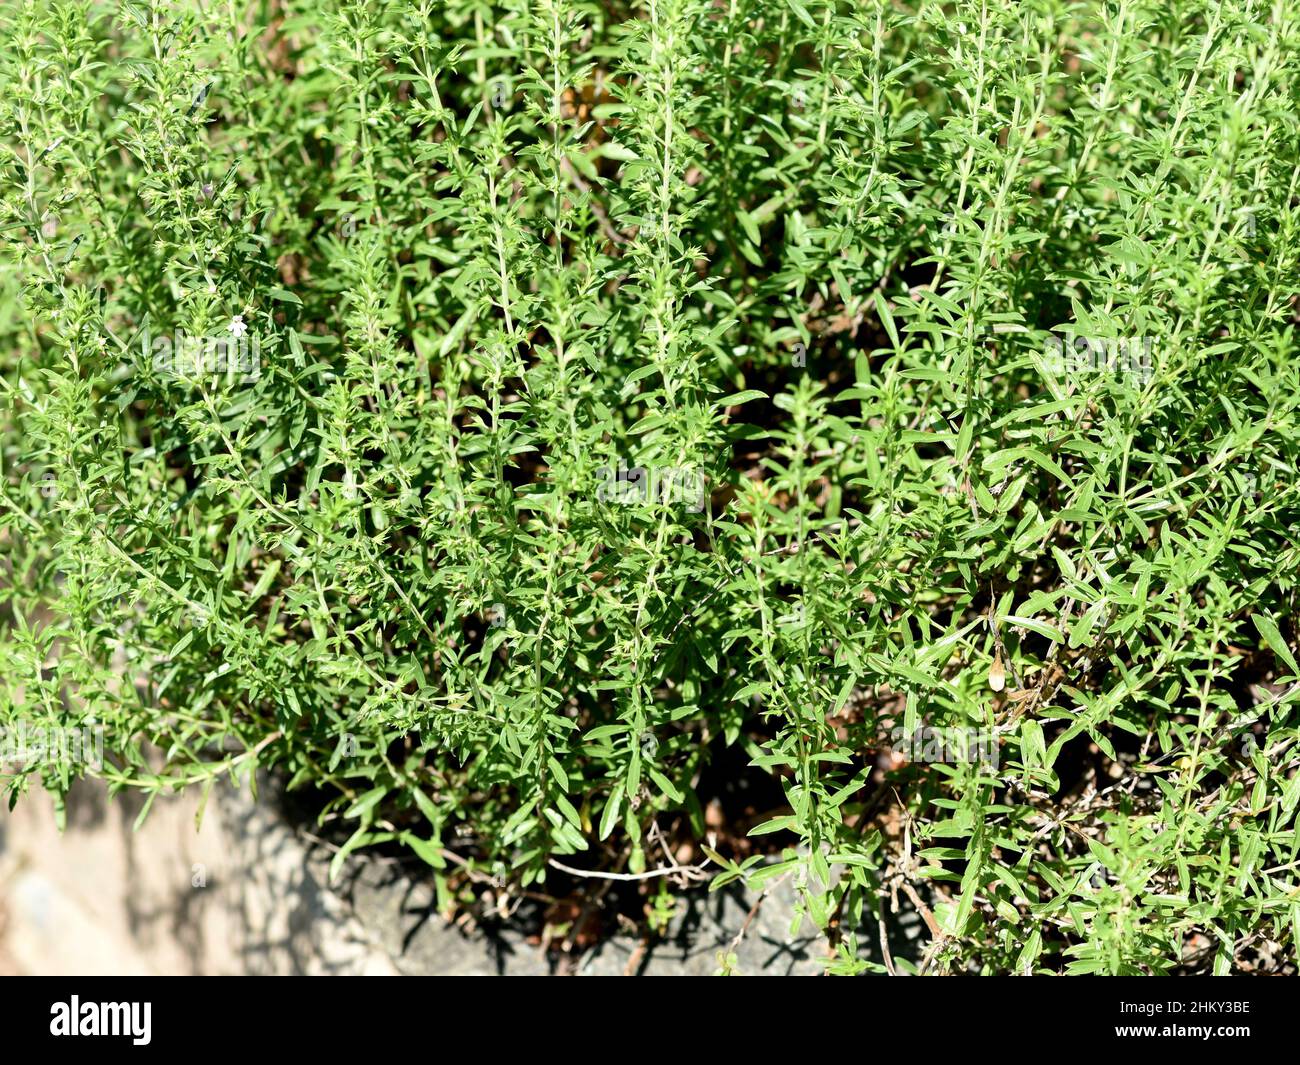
(498, 418)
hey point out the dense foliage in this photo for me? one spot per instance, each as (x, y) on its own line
(496, 417)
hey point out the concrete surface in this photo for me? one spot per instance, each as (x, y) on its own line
(248, 893)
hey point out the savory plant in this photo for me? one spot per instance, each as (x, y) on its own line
(494, 418)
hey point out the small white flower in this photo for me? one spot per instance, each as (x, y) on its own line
(237, 326)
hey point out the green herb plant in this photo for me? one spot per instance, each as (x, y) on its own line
(494, 418)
